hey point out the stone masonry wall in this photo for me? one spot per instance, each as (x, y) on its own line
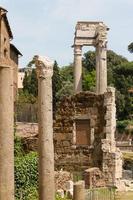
(112, 157)
(68, 154)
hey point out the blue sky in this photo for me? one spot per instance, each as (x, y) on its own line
(46, 27)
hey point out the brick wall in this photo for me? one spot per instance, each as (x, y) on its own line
(69, 154)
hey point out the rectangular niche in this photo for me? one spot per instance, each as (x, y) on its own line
(82, 131)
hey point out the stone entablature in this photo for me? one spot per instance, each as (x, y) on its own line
(91, 34)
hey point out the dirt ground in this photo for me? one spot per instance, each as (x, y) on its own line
(125, 196)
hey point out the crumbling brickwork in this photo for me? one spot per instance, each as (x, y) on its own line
(75, 153)
(112, 157)
(68, 154)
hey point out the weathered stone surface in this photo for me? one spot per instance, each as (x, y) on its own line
(79, 191)
(8, 90)
(94, 178)
(6, 112)
(6, 134)
(45, 148)
(83, 106)
(112, 157)
(101, 151)
(77, 69)
(61, 179)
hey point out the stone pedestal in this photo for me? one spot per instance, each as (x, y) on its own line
(46, 150)
(93, 178)
(77, 69)
(101, 69)
(79, 191)
(6, 134)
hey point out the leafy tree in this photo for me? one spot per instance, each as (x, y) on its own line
(33, 89)
(113, 60)
(120, 105)
(89, 60)
(66, 89)
(26, 81)
(30, 83)
(31, 63)
(89, 81)
(123, 77)
(130, 47)
(66, 73)
(56, 84)
(123, 83)
(119, 72)
(25, 97)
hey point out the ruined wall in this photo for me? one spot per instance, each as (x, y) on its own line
(6, 52)
(84, 131)
(69, 154)
(14, 58)
(4, 43)
(112, 157)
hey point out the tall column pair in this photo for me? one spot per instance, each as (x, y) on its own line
(101, 69)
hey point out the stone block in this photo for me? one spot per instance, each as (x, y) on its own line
(94, 178)
(66, 143)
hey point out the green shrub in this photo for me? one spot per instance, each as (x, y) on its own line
(26, 176)
(59, 198)
(18, 147)
(122, 125)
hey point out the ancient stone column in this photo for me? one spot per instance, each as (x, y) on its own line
(77, 69)
(46, 150)
(6, 133)
(101, 69)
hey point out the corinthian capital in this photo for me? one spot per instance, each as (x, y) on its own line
(44, 66)
(101, 39)
(77, 50)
